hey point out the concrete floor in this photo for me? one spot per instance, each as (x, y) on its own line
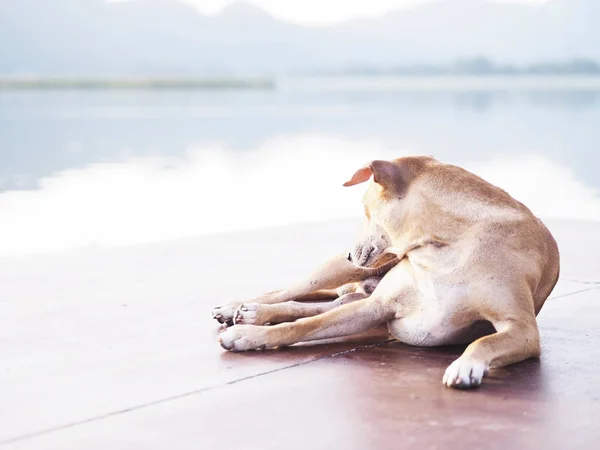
(115, 348)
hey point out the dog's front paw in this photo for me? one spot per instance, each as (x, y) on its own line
(252, 314)
(241, 338)
(465, 373)
(224, 314)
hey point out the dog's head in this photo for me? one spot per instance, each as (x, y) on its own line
(384, 207)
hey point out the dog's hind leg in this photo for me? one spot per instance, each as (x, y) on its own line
(517, 338)
(336, 272)
(262, 314)
(345, 320)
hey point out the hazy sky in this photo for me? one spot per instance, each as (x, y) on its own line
(318, 11)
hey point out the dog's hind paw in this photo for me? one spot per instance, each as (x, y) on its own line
(224, 314)
(241, 338)
(465, 373)
(251, 314)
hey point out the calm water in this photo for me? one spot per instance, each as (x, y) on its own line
(82, 168)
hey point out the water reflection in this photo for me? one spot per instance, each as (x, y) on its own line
(42, 133)
(213, 189)
(121, 167)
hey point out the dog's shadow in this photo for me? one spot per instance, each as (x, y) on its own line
(422, 364)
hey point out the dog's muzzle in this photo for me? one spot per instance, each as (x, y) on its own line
(370, 257)
(361, 256)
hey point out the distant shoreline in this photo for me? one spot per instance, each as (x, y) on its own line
(407, 83)
(443, 83)
(101, 83)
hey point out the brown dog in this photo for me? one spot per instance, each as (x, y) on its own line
(445, 258)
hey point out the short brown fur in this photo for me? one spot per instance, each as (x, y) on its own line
(445, 251)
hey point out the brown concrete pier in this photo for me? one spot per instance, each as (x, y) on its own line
(115, 348)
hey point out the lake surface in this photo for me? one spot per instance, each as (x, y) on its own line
(81, 168)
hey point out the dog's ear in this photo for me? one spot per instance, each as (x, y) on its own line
(360, 176)
(385, 173)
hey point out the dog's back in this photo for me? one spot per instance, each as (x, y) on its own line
(499, 233)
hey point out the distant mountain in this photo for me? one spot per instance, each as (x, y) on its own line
(169, 37)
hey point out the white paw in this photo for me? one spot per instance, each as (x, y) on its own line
(249, 314)
(224, 314)
(241, 338)
(465, 373)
